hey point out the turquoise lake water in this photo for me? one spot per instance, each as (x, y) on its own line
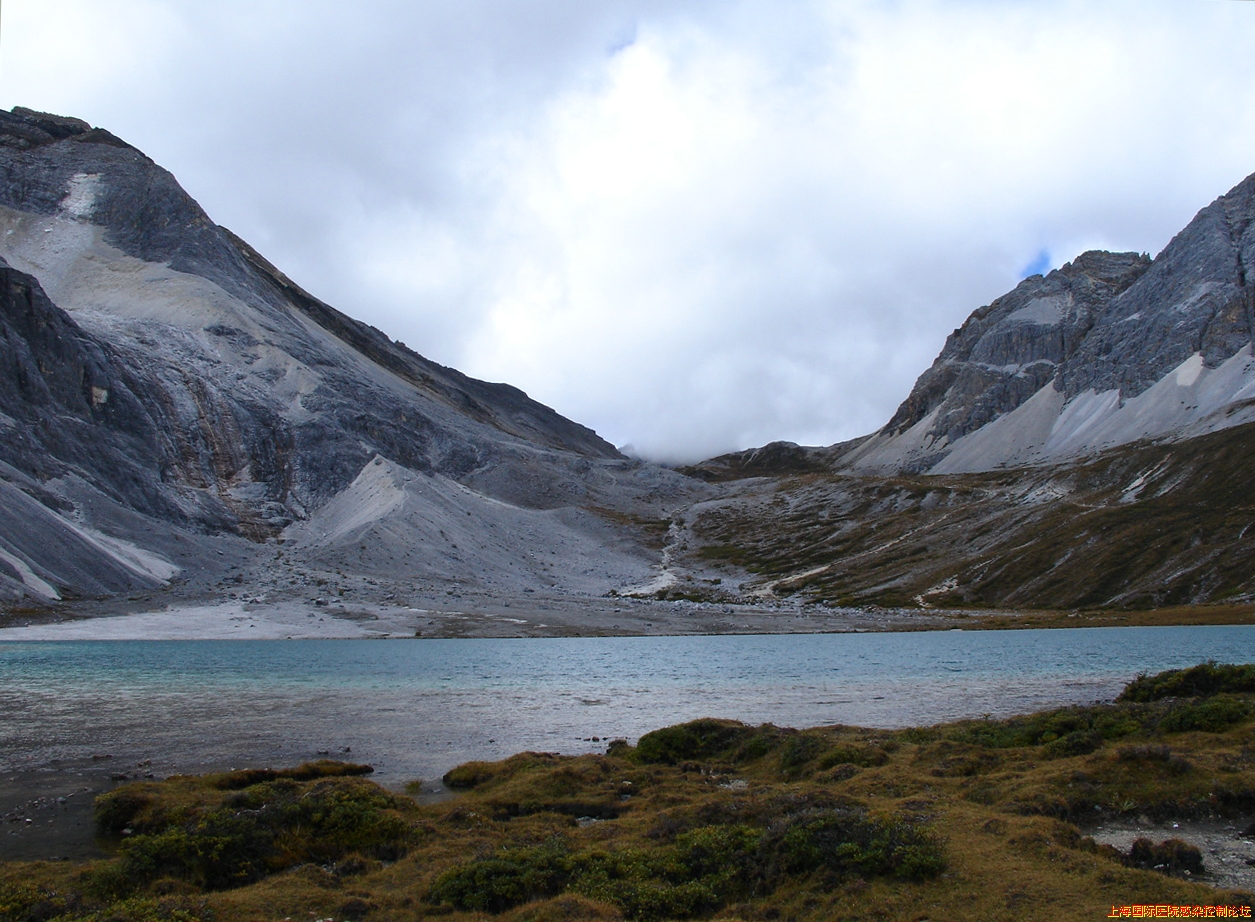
(415, 708)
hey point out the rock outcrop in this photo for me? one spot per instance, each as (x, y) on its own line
(1109, 349)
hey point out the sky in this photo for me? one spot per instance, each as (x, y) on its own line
(694, 226)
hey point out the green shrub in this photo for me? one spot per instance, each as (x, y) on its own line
(1079, 723)
(697, 739)
(755, 748)
(1076, 743)
(1211, 715)
(647, 884)
(848, 842)
(1200, 681)
(720, 851)
(702, 869)
(256, 831)
(800, 749)
(23, 902)
(141, 909)
(500, 882)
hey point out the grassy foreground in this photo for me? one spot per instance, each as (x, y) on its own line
(711, 819)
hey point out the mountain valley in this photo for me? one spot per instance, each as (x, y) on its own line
(184, 426)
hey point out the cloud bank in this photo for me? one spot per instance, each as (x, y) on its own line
(693, 226)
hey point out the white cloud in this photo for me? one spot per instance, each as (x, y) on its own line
(693, 226)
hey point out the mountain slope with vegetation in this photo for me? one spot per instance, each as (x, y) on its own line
(1143, 526)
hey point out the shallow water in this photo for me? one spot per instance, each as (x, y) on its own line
(415, 708)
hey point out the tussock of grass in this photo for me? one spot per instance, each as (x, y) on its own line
(1171, 856)
(709, 819)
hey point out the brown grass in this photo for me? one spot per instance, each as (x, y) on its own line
(1002, 808)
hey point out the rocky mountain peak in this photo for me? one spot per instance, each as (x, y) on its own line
(1008, 350)
(1107, 349)
(159, 375)
(24, 129)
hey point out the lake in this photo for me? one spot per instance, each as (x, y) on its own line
(415, 708)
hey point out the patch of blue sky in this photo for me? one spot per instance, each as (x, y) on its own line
(1039, 266)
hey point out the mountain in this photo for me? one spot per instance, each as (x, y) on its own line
(1109, 349)
(171, 402)
(1083, 441)
(184, 424)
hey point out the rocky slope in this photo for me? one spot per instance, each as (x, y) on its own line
(164, 389)
(1083, 441)
(1109, 349)
(1140, 526)
(182, 423)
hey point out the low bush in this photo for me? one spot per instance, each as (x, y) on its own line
(1200, 681)
(253, 832)
(1076, 743)
(1169, 857)
(1210, 715)
(848, 842)
(700, 869)
(26, 902)
(800, 749)
(502, 881)
(698, 739)
(1083, 725)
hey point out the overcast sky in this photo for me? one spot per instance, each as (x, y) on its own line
(694, 226)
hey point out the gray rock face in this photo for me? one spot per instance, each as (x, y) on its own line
(1081, 359)
(1006, 352)
(156, 363)
(1194, 298)
(69, 404)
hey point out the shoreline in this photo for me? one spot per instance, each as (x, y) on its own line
(473, 614)
(48, 815)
